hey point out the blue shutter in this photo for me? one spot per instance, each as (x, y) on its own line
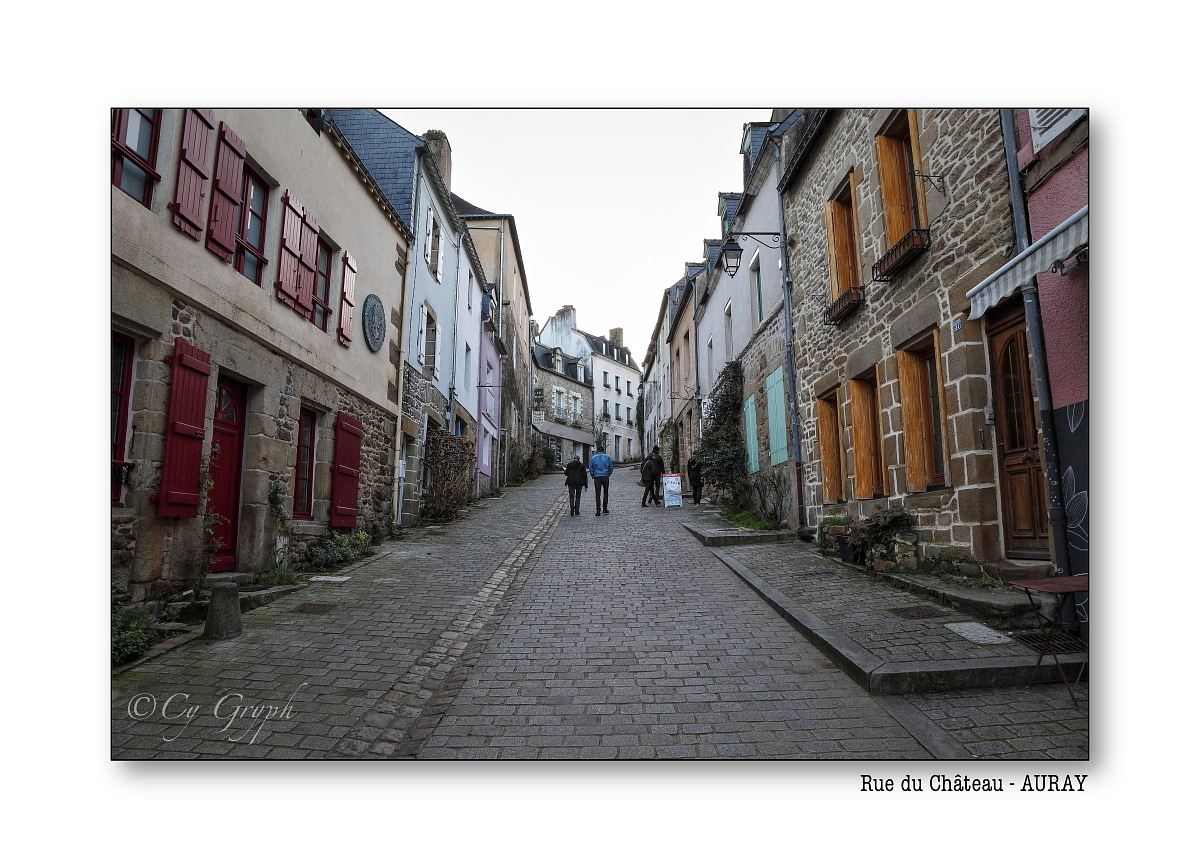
(776, 427)
(751, 434)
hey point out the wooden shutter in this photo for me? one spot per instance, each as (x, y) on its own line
(829, 442)
(751, 421)
(421, 323)
(227, 194)
(347, 451)
(306, 280)
(776, 418)
(894, 185)
(346, 317)
(292, 235)
(437, 351)
(913, 417)
(831, 250)
(862, 429)
(188, 204)
(179, 492)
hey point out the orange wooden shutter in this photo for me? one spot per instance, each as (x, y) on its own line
(894, 185)
(861, 430)
(913, 418)
(831, 249)
(829, 441)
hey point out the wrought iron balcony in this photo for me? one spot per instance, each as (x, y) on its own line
(904, 251)
(844, 305)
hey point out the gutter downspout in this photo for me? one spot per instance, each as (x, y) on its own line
(1037, 347)
(790, 380)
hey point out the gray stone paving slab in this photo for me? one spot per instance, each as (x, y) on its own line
(524, 633)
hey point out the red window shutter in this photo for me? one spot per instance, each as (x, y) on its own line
(347, 449)
(346, 318)
(227, 194)
(179, 494)
(286, 287)
(308, 264)
(188, 205)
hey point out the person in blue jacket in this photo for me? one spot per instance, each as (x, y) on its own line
(600, 467)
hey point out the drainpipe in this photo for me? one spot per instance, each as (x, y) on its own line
(790, 379)
(1037, 348)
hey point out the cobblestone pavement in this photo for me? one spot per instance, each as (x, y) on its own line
(526, 633)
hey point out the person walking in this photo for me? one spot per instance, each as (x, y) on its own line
(577, 482)
(695, 478)
(601, 468)
(660, 467)
(649, 473)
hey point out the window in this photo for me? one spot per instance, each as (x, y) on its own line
(618, 412)
(302, 502)
(617, 383)
(430, 344)
(728, 330)
(629, 388)
(869, 472)
(135, 151)
(711, 370)
(829, 443)
(558, 404)
(750, 426)
(899, 165)
(122, 377)
(605, 407)
(433, 245)
(319, 315)
(616, 449)
(252, 228)
(606, 380)
(841, 235)
(921, 412)
(776, 421)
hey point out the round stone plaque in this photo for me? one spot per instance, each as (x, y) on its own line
(374, 324)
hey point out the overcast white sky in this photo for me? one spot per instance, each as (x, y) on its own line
(609, 203)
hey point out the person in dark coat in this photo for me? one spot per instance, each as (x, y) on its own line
(657, 467)
(577, 481)
(649, 474)
(695, 478)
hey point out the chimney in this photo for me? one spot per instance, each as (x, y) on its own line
(438, 148)
(567, 312)
(617, 336)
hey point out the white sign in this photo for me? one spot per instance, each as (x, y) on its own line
(672, 490)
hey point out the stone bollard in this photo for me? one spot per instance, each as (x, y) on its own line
(224, 620)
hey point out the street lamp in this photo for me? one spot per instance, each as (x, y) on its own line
(731, 253)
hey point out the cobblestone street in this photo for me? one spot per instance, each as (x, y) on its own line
(525, 633)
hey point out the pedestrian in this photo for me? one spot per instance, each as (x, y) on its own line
(660, 467)
(649, 471)
(695, 478)
(601, 468)
(577, 481)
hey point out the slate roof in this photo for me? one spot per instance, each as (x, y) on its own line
(466, 209)
(387, 150)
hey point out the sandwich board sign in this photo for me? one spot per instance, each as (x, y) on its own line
(672, 490)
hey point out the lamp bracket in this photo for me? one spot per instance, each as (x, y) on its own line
(938, 181)
(760, 236)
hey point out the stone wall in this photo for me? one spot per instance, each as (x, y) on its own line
(970, 225)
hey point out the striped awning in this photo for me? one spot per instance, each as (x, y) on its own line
(1058, 244)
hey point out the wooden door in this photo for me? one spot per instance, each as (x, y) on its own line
(225, 468)
(1022, 479)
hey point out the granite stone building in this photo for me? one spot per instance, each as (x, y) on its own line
(892, 216)
(257, 287)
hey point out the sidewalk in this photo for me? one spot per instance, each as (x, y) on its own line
(893, 634)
